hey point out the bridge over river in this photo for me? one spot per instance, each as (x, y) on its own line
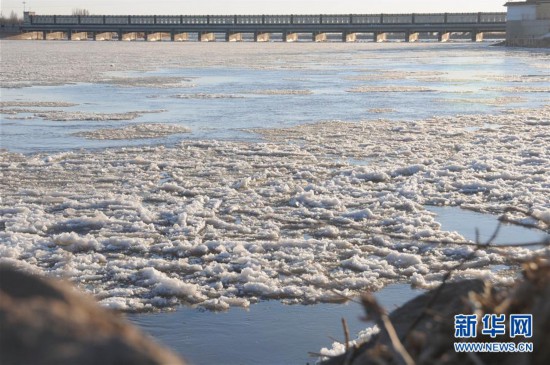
(263, 27)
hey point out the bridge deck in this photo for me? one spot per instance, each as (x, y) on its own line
(346, 24)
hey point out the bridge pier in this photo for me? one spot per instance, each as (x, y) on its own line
(443, 36)
(349, 37)
(261, 37)
(181, 37)
(319, 37)
(158, 36)
(233, 37)
(54, 36)
(411, 36)
(477, 36)
(207, 37)
(290, 37)
(105, 36)
(132, 36)
(380, 37)
(32, 36)
(80, 36)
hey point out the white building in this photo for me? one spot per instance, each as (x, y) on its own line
(528, 23)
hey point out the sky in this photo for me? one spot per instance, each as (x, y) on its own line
(223, 7)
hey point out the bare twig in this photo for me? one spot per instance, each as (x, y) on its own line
(346, 333)
(495, 234)
(380, 317)
(349, 353)
(527, 213)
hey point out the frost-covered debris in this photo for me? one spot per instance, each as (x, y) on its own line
(447, 80)
(518, 78)
(36, 104)
(389, 89)
(207, 96)
(381, 110)
(222, 224)
(381, 75)
(518, 89)
(20, 117)
(399, 73)
(281, 92)
(138, 131)
(498, 101)
(155, 82)
(16, 111)
(64, 116)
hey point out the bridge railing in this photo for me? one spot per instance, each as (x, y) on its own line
(93, 19)
(306, 19)
(366, 19)
(329, 19)
(463, 18)
(221, 19)
(430, 18)
(335, 19)
(492, 17)
(249, 19)
(190, 19)
(168, 19)
(277, 19)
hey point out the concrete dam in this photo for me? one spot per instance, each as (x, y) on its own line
(262, 28)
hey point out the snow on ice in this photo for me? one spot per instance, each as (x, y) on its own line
(222, 224)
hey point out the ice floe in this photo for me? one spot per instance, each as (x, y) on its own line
(281, 92)
(138, 131)
(64, 116)
(36, 104)
(154, 82)
(219, 223)
(389, 89)
(208, 96)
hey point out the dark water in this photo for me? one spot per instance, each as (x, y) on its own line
(266, 333)
(466, 222)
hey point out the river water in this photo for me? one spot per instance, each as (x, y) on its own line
(217, 102)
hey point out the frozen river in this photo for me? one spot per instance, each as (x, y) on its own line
(279, 85)
(208, 177)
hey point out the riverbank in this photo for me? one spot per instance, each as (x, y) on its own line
(425, 330)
